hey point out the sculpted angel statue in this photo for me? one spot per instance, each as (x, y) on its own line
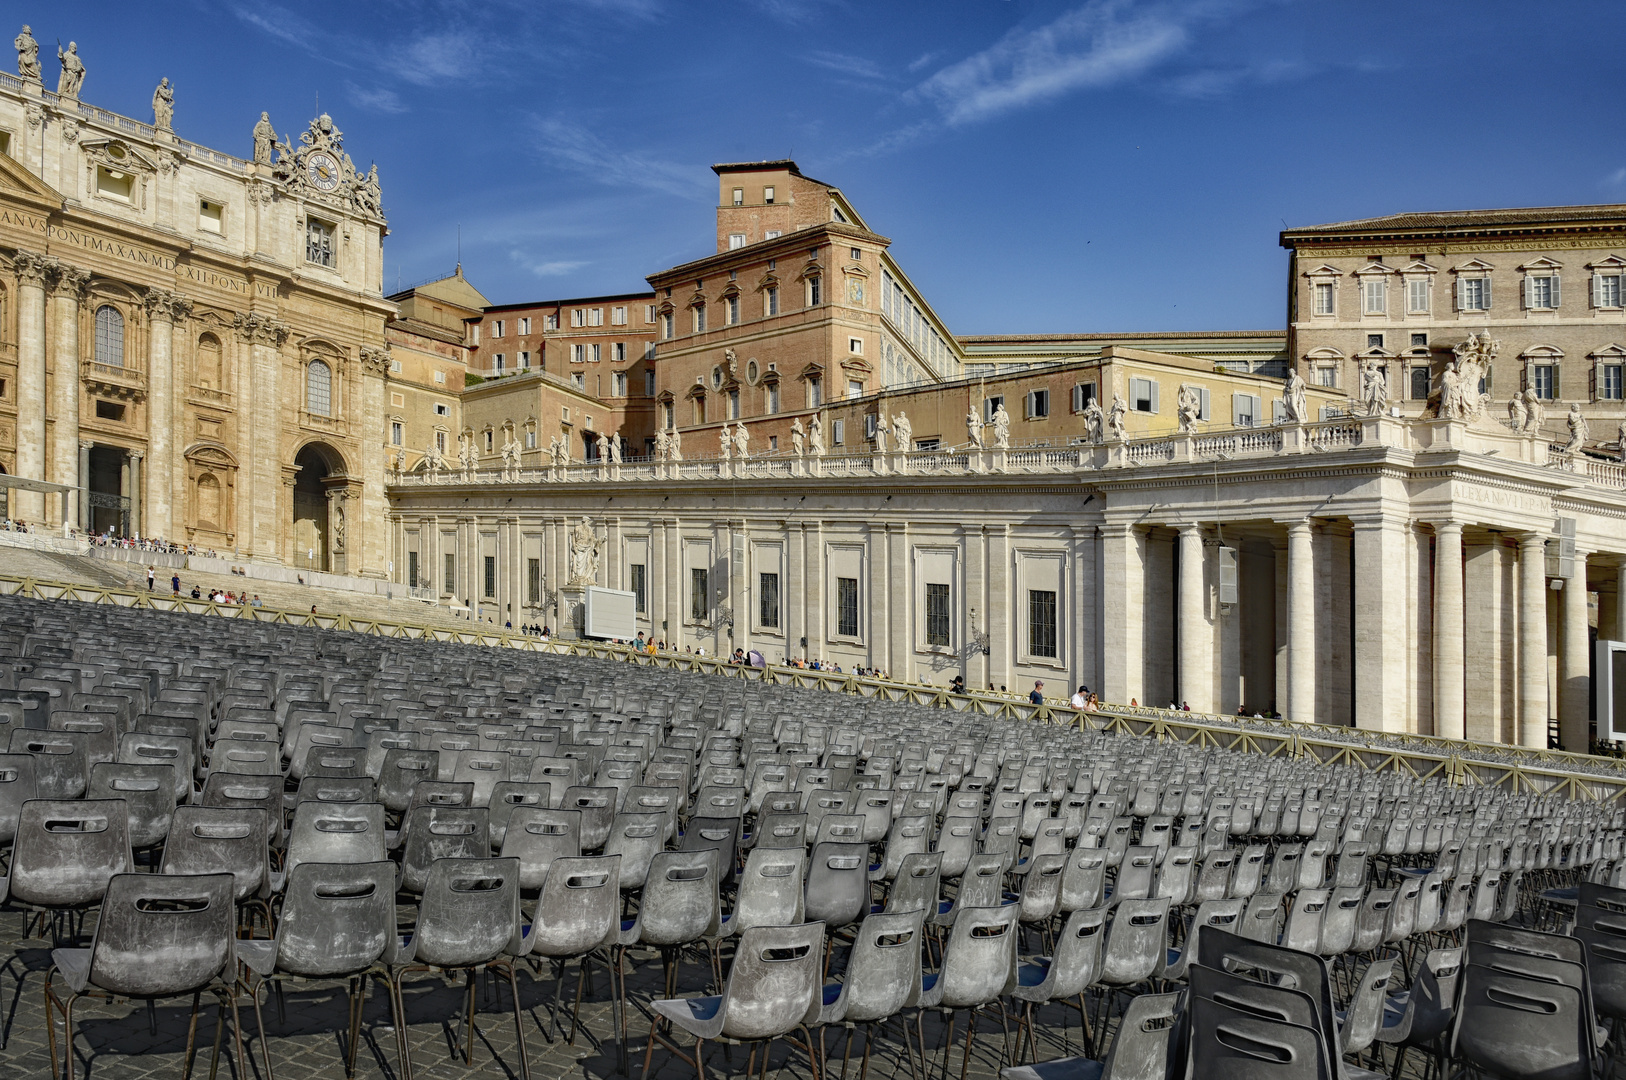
(1115, 417)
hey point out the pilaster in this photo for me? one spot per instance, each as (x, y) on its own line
(67, 292)
(1449, 657)
(1533, 703)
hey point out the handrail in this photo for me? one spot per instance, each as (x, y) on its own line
(1458, 762)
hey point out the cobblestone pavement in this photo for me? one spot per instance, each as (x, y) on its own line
(115, 1042)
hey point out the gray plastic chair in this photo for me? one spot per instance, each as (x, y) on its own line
(338, 922)
(679, 907)
(468, 920)
(958, 839)
(770, 892)
(1145, 1048)
(577, 913)
(66, 852)
(148, 792)
(158, 937)
(1512, 1026)
(1228, 1044)
(222, 839)
(333, 833)
(597, 807)
(772, 986)
(636, 838)
(16, 787)
(1136, 944)
(401, 771)
(61, 768)
(837, 884)
(979, 968)
(506, 797)
(536, 836)
(443, 832)
(882, 979)
(1358, 1025)
(1066, 973)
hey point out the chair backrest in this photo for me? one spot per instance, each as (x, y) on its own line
(67, 850)
(1077, 956)
(1137, 941)
(579, 908)
(482, 768)
(1147, 1046)
(337, 918)
(918, 883)
(336, 833)
(883, 970)
(720, 834)
(221, 839)
(680, 898)
(1510, 1025)
(148, 792)
(770, 892)
(508, 795)
(16, 787)
(774, 980)
(1283, 1004)
(1041, 887)
(837, 884)
(979, 960)
(1365, 1011)
(957, 839)
(1432, 1001)
(1534, 942)
(536, 836)
(1296, 970)
(1228, 1044)
(469, 913)
(401, 771)
(161, 934)
(61, 767)
(636, 838)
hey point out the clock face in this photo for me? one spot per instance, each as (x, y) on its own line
(323, 171)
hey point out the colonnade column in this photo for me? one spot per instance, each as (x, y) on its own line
(160, 409)
(1300, 623)
(137, 504)
(68, 290)
(33, 273)
(1381, 701)
(1123, 566)
(1533, 640)
(1449, 685)
(83, 499)
(1196, 638)
(1574, 663)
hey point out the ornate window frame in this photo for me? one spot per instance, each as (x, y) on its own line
(1325, 274)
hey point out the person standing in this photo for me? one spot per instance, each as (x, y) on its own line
(152, 578)
(1037, 696)
(175, 584)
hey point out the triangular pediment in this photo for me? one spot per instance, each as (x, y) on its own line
(1419, 267)
(1474, 265)
(15, 178)
(1375, 268)
(1324, 270)
(1613, 262)
(1541, 265)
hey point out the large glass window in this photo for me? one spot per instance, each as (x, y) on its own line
(937, 614)
(1041, 622)
(1609, 382)
(847, 606)
(1541, 377)
(318, 388)
(699, 595)
(109, 336)
(319, 243)
(638, 589)
(768, 592)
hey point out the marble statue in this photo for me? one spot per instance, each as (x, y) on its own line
(73, 71)
(973, 428)
(468, 456)
(603, 445)
(1002, 427)
(1374, 388)
(615, 448)
(1515, 411)
(1459, 383)
(553, 451)
(163, 106)
(433, 461)
(1535, 413)
(796, 437)
(1620, 436)
(880, 434)
(338, 526)
(584, 554)
(1094, 421)
(399, 465)
(1295, 410)
(265, 138)
(730, 363)
(510, 453)
(369, 197)
(660, 444)
(903, 433)
(28, 55)
(742, 441)
(1578, 429)
(1115, 417)
(1188, 406)
(676, 448)
(725, 442)
(815, 435)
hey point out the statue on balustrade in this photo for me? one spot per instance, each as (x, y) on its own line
(815, 435)
(973, 428)
(1578, 429)
(1374, 387)
(265, 139)
(903, 433)
(1188, 406)
(603, 445)
(1295, 409)
(796, 437)
(73, 71)
(163, 106)
(510, 453)
(28, 56)
(1002, 427)
(1115, 417)
(676, 447)
(615, 448)
(742, 441)
(725, 442)
(1535, 413)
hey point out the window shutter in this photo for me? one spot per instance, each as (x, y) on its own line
(1593, 282)
(1524, 377)
(1489, 370)
(1525, 291)
(1154, 385)
(1078, 399)
(1258, 407)
(1556, 300)
(1487, 292)
(1202, 404)
(1278, 410)
(1558, 394)
(1592, 382)
(1458, 291)
(1239, 408)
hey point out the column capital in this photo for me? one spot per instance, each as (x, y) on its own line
(164, 304)
(1448, 525)
(137, 455)
(1532, 540)
(1296, 525)
(87, 444)
(1117, 528)
(69, 282)
(33, 268)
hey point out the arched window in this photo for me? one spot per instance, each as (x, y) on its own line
(109, 336)
(319, 388)
(209, 373)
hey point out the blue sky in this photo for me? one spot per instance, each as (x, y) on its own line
(1041, 167)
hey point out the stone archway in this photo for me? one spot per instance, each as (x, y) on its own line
(318, 539)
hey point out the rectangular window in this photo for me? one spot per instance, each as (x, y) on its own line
(768, 600)
(700, 319)
(209, 216)
(595, 316)
(440, 377)
(618, 316)
(847, 606)
(667, 328)
(773, 234)
(937, 614)
(578, 317)
(990, 406)
(115, 184)
(440, 441)
(319, 243)
(578, 354)
(1324, 298)
(1419, 341)
(1326, 376)
(442, 409)
(1419, 384)
(771, 393)
(649, 384)
(815, 392)
(618, 384)
(855, 388)
(1376, 293)
(596, 351)
(1541, 376)
(815, 292)
(491, 577)
(533, 581)
(1041, 622)
(649, 313)
(1473, 294)
(739, 196)
(524, 358)
(525, 326)
(1374, 341)
(1143, 395)
(736, 240)
(1083, 394)
(1539, 292)
(1417, 296)
(855, 345)
(1609, 385)
(635, 572)
(449, 584)
(530, 438)
(412, 569)
(1245, 409)
(733, 404)
(550, 322)
(397, 433)
(580, 379)
(770, 303)
(699, 595)
(498, 361)
(838, 432)
(733, 308)
(1606, 291)
(1038, 404)
(767, 195)
(496, 328)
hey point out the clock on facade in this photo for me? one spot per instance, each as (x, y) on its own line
(323, 171)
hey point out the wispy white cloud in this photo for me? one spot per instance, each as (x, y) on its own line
(548, 268)
(1100, 43)
(922, 60)
(844, 64)
(378, 98)
(1213, 82)
(794, 12)
(575, 148)
(436, 58)
(1615, 179)
(282, 24)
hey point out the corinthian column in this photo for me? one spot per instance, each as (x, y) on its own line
(367, 545)
(68, 291)
(261, 412)
(164, 310)
(33, 273)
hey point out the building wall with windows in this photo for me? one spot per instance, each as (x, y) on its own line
(193, 340)
(1402, 291)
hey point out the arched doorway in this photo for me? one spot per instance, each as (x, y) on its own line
(319, 467)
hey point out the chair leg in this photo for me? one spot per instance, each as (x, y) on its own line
(355, 1028)
(970, 1040)
(214, 1050)
(191, 1031)
(237, 1038)
(67, 1037)
(519, 1029)
(403, 1043)
(468, 1023)
(948, 1042)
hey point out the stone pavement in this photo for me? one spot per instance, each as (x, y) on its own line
(114, 1042)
